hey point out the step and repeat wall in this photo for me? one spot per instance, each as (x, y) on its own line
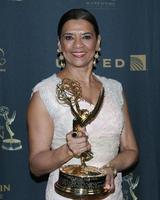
(130, 53)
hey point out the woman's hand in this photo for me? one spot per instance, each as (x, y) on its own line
(109, 183)
(79, 144)
(110, 172)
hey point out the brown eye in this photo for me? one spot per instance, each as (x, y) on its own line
(68, 37)
(87, 37)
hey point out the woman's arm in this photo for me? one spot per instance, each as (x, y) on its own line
(128, 154)
(42, 158)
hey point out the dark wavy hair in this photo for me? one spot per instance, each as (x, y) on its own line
(78, 13)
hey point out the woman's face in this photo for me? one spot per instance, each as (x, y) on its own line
(78, 42)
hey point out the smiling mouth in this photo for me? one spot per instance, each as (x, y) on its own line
(78, 54)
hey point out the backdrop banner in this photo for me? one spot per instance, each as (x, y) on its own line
(130, 33)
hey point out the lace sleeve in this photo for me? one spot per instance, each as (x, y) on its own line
(46, 91)
(117, 91)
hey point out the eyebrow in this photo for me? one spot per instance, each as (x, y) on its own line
(85, 33)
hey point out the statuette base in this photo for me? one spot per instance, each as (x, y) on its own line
(77, 181)
(11, 144)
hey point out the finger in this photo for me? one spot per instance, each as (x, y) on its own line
(78, 133)
(86, 147)
(112, 185)
(82, 147)
(68, 136)
(77, 145)
(89, 148)
(74, 134)
(81, 140)
(82, 130)
(109, 184)
(78, 149)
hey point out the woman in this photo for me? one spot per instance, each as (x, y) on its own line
(109, 135)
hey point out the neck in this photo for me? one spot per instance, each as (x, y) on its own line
(82, 74)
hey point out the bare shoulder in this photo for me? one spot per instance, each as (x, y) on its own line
(35, 104)
(37, 112)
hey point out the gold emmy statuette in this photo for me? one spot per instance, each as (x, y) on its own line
(76, 181)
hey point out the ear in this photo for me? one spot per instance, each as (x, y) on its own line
(98, 43)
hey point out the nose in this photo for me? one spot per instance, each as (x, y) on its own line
(78, 42)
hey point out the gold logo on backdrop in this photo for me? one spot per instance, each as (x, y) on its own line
(138, 63)
(2, 60)
(101, 4)
(132, 184)
(8, 143)
(15, 0)
(3, 189)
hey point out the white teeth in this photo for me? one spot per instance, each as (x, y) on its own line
(78, 54)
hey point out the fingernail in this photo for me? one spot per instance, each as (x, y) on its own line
(108, 187)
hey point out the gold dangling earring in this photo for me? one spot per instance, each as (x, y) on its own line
(96, 56)
(61, 59)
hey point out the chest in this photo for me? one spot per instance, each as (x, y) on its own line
(108, 120)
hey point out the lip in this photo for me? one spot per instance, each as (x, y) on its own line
(78, 54)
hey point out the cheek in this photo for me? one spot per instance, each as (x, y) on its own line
(66, 45)
(91, 49)
(91, 45)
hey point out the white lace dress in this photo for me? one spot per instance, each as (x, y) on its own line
(104, 132)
